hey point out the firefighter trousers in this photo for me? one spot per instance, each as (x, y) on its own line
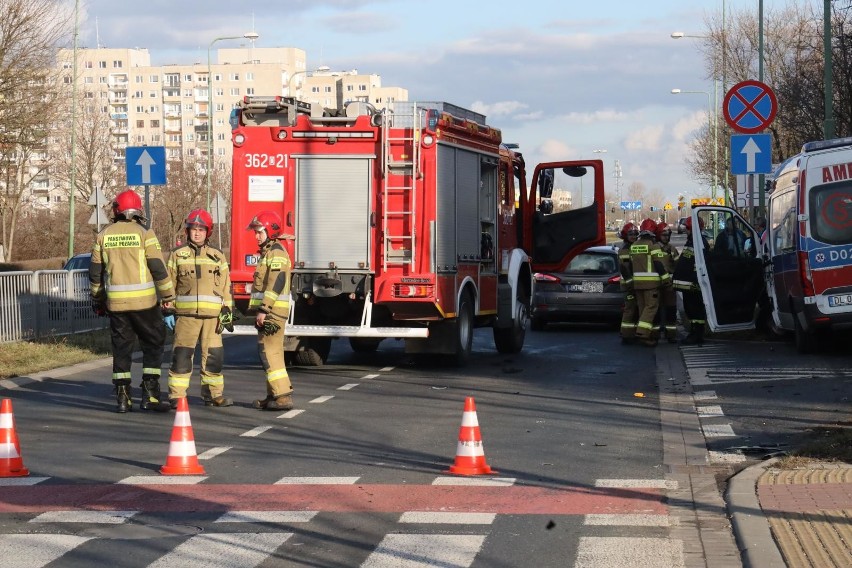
(125, 328)
(630, 316)
(648, 303)
(693, 305)
(189, 332)
(271, 350)
(669, 312)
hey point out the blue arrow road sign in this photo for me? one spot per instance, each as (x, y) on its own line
(631, 205)
(751, 154)
(146, 165)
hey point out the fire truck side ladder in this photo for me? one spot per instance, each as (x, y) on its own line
(400, 171)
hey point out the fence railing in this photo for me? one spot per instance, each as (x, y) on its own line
(45, 303)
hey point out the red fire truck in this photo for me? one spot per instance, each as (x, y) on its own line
(413, 223)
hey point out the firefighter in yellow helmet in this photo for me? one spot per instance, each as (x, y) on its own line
(127, 275)
(270, 302)
(203, 308)
(649, 276)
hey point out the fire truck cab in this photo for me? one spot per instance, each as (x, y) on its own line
(413, 223)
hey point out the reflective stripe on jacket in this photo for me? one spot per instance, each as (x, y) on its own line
(202, 280)
(127, 270)
(646, 262)
(270, 291)
(625, 268)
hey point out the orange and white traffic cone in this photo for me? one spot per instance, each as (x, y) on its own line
(470, 457)
(182, 459)
(11, 463)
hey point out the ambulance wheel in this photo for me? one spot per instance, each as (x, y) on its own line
(805, 342)
(364, 344)
(315, 354)
(464, 331)
(511, 339)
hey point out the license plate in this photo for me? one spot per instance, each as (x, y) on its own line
(586, 287)
(840, 300)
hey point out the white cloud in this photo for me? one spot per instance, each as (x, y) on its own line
(552, 150)
(502, 108)
(647, 139)
(607, 115)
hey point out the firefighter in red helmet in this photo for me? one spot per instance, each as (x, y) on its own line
(630, 314)
(203, 308)
(669, 296)
(649, 276)
(270, 302)
(127, 275)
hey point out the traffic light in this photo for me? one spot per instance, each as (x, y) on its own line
(653, 208)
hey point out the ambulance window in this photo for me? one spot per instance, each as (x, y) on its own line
(831, 213)
(783, 214)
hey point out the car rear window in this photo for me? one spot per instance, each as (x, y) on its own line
(831, 213)
(593, 263)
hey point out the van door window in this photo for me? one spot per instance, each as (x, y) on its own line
(831, 213)
(783, 214)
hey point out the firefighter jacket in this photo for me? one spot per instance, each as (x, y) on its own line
(625, 268)
(646, 260)
(202, 280)
(670, 258)
(270, 290)
(127, 271)
(685, 277)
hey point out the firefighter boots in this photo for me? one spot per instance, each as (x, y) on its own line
(280, 403)
(151, 396)
(123, 398)
(219, 401)
(262, 403)
(695, 335)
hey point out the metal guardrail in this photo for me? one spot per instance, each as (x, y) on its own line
(45, 303)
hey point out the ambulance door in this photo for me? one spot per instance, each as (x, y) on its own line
(563, 212)
(729, 267)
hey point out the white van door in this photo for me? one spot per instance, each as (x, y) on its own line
(729, 266)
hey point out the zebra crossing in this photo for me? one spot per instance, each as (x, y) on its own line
(449, 532)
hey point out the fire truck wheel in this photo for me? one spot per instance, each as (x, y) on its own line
(364, 344)
(315, 354)
(464, 331)
(511, 339)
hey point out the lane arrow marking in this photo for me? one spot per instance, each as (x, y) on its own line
(145, 161)
(751, 149)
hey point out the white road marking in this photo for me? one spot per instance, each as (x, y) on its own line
(255, 432)
(163, 479)
(99, 517)
(668, 484)
(321, 399)
(709, 411)
(267, 517)
(717, 430)
(476, 481)
(35, 550)
(609, 520)
(291, 414)
(610, 552)
(223, 550)
(422, 550)
(704, 395)
(11, 481)
(317, 481)
(432, 517)
(386, 369)
(347, 387)
(368, 377)
(213, 452)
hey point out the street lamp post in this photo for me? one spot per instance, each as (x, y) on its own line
(712, 116)
(249, 36)
(290, 82)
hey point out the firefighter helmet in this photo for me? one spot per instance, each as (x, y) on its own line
(648, 226)
(627, 228)
(199, 217)
(688, 224)
(127, 204)
(663, 229)
(268, 220)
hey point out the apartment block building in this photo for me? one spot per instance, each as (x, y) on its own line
(186, 108)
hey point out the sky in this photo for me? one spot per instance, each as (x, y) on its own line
(562, 78)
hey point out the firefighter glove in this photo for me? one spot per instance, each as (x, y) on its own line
(226, 320)
(170, 321)
(269, 328)
(98, 308)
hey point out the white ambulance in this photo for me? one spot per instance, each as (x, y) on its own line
(803, 275)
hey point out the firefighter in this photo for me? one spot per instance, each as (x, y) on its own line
(126, 276)
(203, 308)
(630, 315)
(685, 280)
(270, 301)
(648, 277)
(669, 296)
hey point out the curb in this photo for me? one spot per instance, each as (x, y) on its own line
(751, 528)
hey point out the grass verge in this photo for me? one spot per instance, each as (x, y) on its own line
(26, 357)
(831, 444)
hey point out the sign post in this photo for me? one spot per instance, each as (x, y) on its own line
(146, 165)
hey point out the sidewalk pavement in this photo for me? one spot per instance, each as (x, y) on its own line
(795, 518)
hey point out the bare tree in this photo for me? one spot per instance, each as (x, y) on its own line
(30, 32)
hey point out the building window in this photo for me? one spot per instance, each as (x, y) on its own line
(249, 90)
(362, 87)
(140, 108)
(66, 80)
(220, 92)
(220, 151)
(315, 89)
(140, 124)
(88, 80)
(249, 76)
(89, 95)
(188, 106)
(190, 137)
(102, 65)
(138, 95)
(190, 151)
(155, 138)
(154, 79)
(57, 198)
(140, 138)
(153, 108)
(117, 64)
(350, 88)
(235, 92)
(153, 94)
(220, 137)
(155, 124)
(102, 79)
(140, 79)
(234, 77)
(89, 65)
(174, 137)
(327, 89)
(187, 93)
